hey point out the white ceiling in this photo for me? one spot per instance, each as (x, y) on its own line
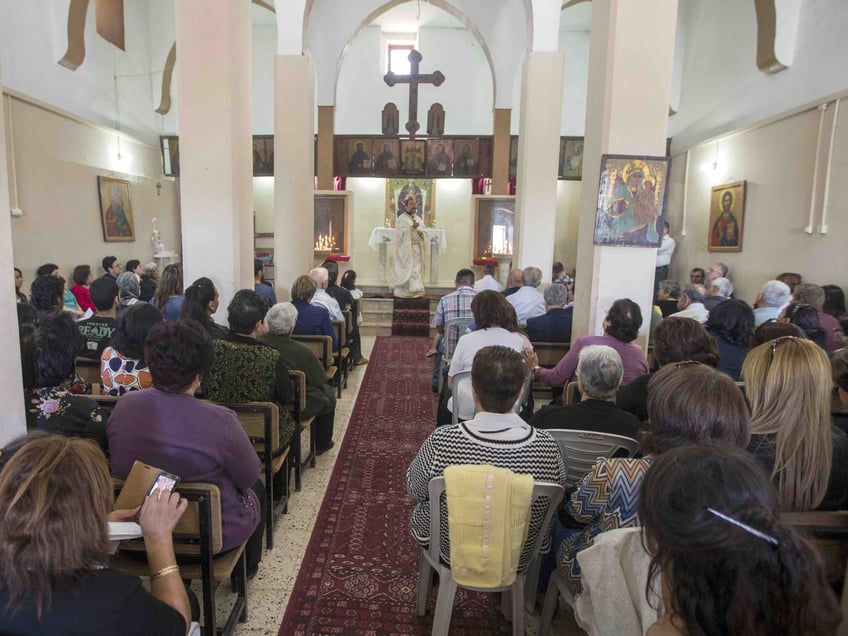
(410, 16)
(576, 18)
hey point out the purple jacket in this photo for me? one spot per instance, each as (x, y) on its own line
(195, 440)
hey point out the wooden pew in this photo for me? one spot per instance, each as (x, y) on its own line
(341, 356)
(297, 407)
(198, 535)
(261, 422)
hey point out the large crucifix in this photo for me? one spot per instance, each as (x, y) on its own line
(414, 79)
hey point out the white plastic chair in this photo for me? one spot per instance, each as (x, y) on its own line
(458, 326)
(581, 449)
(549, 493)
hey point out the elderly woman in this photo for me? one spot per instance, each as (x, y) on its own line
(169, 292)
(201, 302)
(128, 292)
(668, 293)
(55, 498)
(48, 355)
(320, 397)
(675, 340)
(311, 319)
(122, 364)
(731, 323)
(168, 428)
(495, 325)
(621, 327)
(788, 383)
(687, 405)
(245, 369)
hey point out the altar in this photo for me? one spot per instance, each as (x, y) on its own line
(383, 236)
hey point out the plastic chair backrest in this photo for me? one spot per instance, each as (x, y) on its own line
(581, 449)
(457, 326)
(546, 498)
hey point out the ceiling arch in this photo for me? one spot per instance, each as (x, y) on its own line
(330, 27)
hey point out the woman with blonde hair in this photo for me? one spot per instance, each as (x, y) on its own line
(55, 498)
(788, 385)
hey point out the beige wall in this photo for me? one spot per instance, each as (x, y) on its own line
(777, 162)
(56, 161)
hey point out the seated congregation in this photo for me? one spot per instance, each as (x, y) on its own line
(734, 417)
(158, 382)
(739, 389)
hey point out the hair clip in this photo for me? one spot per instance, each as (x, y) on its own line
(746, 527)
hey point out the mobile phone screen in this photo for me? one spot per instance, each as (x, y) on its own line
(164, 482)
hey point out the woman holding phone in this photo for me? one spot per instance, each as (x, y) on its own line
(55, 497)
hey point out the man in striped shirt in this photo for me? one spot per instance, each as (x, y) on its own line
(496, 436)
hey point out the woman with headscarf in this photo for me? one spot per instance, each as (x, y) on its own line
(129, 290)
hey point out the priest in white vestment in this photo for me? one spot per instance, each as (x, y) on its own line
(408, 268)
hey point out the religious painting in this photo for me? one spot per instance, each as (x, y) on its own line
(423, 190)
(387, 162)
(727, 214)
(170, 156)
(330, 233)
(359, 157)
(513, 156)
(390, 120)
(631, 200)
(466, 161)
(263, 155)
(436, 120)
(413, 157)
(494, 224)
(571, 158)
(439, 158)
(116, 213)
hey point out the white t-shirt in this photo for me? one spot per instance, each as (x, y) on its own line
(487, 282)
(463, 357)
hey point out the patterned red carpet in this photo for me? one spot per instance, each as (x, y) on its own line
(360, 570)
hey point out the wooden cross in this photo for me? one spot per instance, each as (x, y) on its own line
(414, 79)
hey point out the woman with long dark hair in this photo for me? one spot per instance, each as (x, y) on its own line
(711, 521)
(200, 303)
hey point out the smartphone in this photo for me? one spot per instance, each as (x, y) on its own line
(164, 482)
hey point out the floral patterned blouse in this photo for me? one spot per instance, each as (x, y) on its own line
(120, 374)
(56, 410)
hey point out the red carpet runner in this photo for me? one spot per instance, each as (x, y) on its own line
(360, 570)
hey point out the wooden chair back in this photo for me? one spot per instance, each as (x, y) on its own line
(261, 423)
(88, 369)
(198, 535)
(572, 393)
(321, 346)
(828, 531)
(550, 353)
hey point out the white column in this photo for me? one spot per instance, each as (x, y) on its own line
(294, 161)
(627, 114)
(214, 74)
(538, 158)
(12, 418)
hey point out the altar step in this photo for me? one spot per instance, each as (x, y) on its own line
(377, 307)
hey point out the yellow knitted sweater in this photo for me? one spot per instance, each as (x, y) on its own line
(488, 517)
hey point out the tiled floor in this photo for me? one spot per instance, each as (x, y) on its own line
(269, 591)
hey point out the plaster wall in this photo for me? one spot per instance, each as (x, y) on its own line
(722, 89)
(777, 161)
(33, 38)
(466, 93)
(56, 164)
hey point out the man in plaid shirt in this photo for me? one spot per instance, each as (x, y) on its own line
(455, 305)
